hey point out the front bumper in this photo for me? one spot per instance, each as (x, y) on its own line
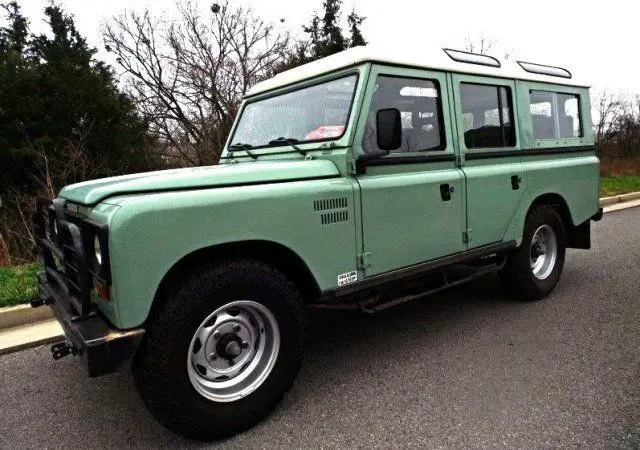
(66, 284)
(101, 348)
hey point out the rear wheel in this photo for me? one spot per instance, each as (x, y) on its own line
(224, 349)
(533, 269)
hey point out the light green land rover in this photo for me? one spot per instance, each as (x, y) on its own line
(365, 179)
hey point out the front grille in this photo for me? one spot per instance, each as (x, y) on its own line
(64, 243)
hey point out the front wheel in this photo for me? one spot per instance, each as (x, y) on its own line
(223, 350)
(533, 269)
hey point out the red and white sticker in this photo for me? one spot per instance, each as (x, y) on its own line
(325, 132)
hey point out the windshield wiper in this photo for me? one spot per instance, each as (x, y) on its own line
(243, 147)
(288, 141)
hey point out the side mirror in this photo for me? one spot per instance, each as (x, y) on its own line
(389, 128)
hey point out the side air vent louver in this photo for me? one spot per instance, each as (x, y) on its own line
(334, 217)
(330, 203)
(336, 210)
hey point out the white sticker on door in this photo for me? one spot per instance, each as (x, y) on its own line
(346, 278)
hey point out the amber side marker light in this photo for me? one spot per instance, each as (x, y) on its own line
(102, 290)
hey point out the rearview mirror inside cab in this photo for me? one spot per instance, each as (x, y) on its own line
(389, 128)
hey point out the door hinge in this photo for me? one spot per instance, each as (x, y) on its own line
(466, 236)
(351, 166)
(460, 159)
(363, 260)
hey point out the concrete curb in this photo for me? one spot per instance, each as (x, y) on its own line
(606, 201)
(27, 336)
(16, 316)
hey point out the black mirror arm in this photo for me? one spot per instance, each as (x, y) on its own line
(364, 158)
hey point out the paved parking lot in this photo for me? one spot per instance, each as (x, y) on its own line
(471, 367)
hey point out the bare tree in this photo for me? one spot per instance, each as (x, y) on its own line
(484, 46)
(608, 107)
(481, 45)
(189, 75)
(617, 125)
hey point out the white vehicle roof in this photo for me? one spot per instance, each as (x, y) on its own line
(435, 59)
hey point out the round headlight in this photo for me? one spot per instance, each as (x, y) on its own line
(97, 250)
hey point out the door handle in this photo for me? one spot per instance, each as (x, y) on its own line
(515, 182)
(446, 191)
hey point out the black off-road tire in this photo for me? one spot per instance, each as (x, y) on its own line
(517, 274)
(160, 369)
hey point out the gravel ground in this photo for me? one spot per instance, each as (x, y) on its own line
(471, 367)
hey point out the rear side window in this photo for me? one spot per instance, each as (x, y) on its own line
(418, 101)
(487, 113)
(555, 115)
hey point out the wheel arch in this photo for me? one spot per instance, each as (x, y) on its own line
(275, 254)
(559, 203)
(577, 235)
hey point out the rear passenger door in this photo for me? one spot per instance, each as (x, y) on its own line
(412, 199)
(491, 160)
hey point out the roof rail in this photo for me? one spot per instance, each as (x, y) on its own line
(542, 69)
(480, 59)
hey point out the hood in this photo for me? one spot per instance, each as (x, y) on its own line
(92, 192)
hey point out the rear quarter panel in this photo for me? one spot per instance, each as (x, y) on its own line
(574, 175)
(151, 233)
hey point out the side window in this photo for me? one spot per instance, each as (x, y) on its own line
(555, 115)
(570, 121)
(420, 109)
(487, 113)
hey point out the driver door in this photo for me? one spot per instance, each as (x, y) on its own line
(412, 199)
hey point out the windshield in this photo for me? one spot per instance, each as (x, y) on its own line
(314, 113)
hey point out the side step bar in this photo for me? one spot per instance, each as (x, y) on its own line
(380, 299)
(376, 305)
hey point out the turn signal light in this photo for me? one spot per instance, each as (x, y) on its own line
(102, 290)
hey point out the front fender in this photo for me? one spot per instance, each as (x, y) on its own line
(150, 233)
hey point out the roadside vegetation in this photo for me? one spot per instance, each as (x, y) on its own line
(619, 175)
(18, 284)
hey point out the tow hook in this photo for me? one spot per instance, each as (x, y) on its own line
(62, 349)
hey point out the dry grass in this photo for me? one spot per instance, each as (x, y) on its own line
(615, 166)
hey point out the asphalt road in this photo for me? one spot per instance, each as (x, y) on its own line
(468, 368)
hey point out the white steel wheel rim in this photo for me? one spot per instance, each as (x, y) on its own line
(543, 252)
(233, 351)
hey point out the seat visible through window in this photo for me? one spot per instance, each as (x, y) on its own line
(418, 101)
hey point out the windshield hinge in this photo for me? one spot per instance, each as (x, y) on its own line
(460, 160)
(466, 236)
(363, 260)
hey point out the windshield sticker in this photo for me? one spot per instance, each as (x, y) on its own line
(325, 132)
(347, 278)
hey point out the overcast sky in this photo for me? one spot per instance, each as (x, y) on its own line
(598, 43)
